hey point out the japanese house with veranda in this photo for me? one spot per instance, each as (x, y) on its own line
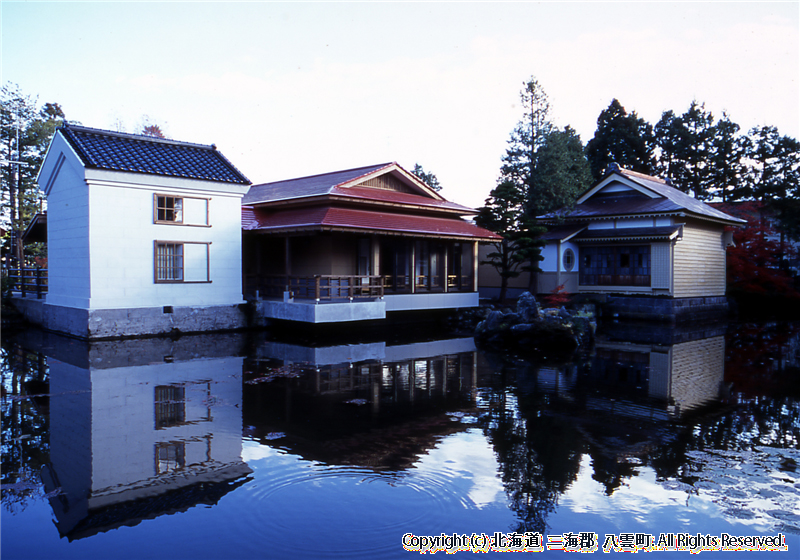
(640, 246)
(152, 236)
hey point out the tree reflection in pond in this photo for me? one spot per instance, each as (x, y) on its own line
(133, 431)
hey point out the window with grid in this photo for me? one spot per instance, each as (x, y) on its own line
(169, 209)
(615, 266)
(170, 405)
(181, 210)
(185, 261)
(169, 262)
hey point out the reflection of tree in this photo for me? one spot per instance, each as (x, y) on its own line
(25, 443)
(539, 453)
(539, 433)
(764, 359)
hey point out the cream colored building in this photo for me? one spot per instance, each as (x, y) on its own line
(636, 236)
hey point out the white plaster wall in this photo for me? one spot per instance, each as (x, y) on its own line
(615, 187)
(635, 222)
(550, 254)
(122, 236)
(124, 436)
(67, 229)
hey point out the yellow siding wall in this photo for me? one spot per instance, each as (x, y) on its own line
(699, 262)
(698, 369)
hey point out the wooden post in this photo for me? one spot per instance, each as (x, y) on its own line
(446, 265)
(474, 266)
(38, 283)
(316, 287)
(413, 272)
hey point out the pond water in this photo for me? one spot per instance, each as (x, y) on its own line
(252, 446)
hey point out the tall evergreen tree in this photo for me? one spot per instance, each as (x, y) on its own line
(684, 143)
(774, 175)
(426, 177)
(527, 137)
(24, 136)
(620, 138)
(726, 165)
(561, 172)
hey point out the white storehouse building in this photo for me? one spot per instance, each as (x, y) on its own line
(144, 235)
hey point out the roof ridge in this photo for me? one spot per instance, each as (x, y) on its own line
(133, 136)
(625, 171)
(377, 166)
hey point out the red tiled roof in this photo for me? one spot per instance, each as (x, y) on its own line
(333, 218)
(394, 197)
(312, 185)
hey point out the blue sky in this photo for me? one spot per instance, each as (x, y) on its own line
(292, 89)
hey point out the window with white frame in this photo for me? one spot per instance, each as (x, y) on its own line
(181, 262)
(180, 210)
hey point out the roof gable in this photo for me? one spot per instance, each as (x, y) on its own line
(375, 179)
(625, 192)
(133, 153)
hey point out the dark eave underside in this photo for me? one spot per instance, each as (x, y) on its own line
(328, 218)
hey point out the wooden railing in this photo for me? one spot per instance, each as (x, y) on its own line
(332, 287)
(27, 280)
(318, 287)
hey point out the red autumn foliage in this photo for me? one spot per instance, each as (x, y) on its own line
(754, 264)
(558, 296)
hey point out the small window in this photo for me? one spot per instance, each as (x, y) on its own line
(170, 406)
(169, 209)
(180, 210)
(169, 262)
(568, 260)
(170, 457)
(181, 262)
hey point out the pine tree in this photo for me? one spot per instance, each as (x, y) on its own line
(426, 177)
(620, 138)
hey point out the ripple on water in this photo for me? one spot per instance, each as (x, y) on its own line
(342, 511)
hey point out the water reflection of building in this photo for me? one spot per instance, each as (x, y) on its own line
(650, 371)
(141, 428)
(369, 404)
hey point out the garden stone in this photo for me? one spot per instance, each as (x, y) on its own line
(527, 307)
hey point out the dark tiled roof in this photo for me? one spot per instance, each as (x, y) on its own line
(314, 185)
(677, 197)
(115, 151)
(328, 217)
(669, 200)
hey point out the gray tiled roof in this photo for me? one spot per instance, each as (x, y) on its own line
(680, 199)
(116, 151)
(669, 200)
(315, 185)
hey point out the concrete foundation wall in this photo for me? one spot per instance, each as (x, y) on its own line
(309, 312)
(667, 309)
(122, 323)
